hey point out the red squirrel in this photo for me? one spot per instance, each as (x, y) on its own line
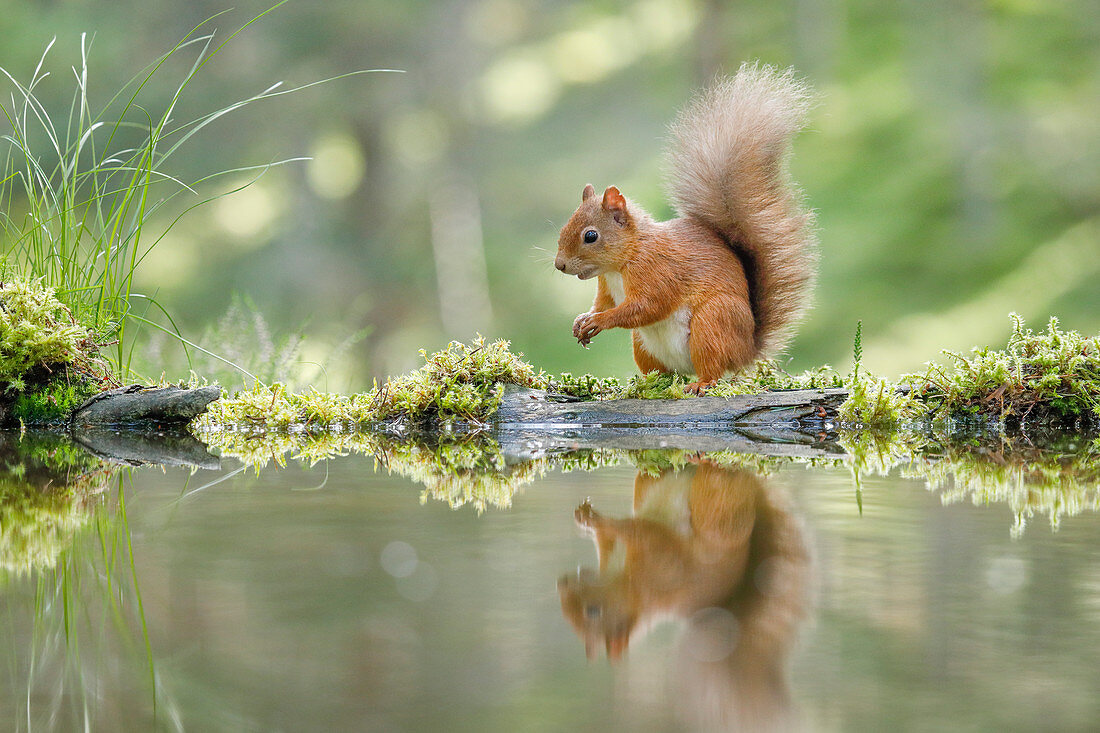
(725, 283)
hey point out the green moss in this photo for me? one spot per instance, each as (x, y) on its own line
(586, 387)
(460, 382)
(274, 407)
(48, 363)
(51, 402)
(1052, 374)
(37, 332)
(760, 377)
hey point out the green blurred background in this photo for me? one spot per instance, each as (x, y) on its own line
(954, 163)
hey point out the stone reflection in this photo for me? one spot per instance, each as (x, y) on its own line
(717, 549)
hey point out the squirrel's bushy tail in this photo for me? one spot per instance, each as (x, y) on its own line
(728, 169)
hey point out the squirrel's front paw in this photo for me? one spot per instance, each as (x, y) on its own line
(585, 515)
(585, 327)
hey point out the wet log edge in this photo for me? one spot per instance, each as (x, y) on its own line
(796, 423)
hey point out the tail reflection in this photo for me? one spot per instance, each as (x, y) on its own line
(715, 548)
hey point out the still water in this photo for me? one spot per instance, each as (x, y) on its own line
(703, 597)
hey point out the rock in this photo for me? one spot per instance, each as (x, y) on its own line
(143, 406)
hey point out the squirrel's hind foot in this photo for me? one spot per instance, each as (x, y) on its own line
(699, 388)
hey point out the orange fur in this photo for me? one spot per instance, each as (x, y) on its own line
(701, 538)
(734, 272)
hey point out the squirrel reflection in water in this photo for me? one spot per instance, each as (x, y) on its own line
(716, 548)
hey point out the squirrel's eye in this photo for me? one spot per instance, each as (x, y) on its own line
(591, 236)
(593, 611)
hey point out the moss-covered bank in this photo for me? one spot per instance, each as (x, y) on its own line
(1049, 376)
(49, 364)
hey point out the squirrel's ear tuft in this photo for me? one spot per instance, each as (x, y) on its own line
(589, 192)
(615, 204)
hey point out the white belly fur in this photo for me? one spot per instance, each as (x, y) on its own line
(666, 340)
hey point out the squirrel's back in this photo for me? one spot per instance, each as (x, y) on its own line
(727, 163)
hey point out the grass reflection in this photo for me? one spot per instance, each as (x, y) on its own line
(70, 586)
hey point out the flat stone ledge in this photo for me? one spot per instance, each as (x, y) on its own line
(798, 410)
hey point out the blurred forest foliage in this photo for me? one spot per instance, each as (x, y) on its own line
(954, 161)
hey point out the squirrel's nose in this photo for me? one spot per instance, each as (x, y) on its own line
(559, 263)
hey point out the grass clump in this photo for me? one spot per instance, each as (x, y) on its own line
(87, 192)
(1049, 375)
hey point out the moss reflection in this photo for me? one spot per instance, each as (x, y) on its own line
(1053, 475)
(1056, 481)
(71, 588)
(48, 488)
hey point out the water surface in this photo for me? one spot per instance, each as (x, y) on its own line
(339, 597)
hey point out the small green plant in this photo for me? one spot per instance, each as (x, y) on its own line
(857, 350)
(872, 401)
